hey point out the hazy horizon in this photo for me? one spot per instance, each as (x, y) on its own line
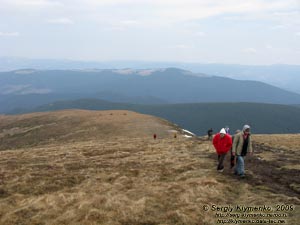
(259, 32)
(166, 62)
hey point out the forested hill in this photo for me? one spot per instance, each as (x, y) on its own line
(199, 117)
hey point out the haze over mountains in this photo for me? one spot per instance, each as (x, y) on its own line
(31, 88)
(195, 101)
(280, 75)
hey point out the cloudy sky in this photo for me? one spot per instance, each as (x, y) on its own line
(204, 31)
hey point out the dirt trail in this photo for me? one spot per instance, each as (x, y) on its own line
(269, 174)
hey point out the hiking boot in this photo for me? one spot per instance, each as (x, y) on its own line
(242, 176)
(220, 171)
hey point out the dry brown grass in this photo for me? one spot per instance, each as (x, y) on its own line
(287, 142)
(76, 125)
(124, 178)
(280, 148)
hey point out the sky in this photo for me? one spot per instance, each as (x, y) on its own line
(251, 32)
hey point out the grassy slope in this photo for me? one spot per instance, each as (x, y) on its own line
(126, 178)
(75, 125)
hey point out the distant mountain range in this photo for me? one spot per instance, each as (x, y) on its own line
(280, 75)
(283, 76)
(31, 88)
(199, 117)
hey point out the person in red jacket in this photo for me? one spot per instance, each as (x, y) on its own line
(222, 143)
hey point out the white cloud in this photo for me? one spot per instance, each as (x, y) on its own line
(148, 25)
(249, 50)
(181, 46)
(63, 21)
(28, 4)
(298, 33)
(9, 34)
(279, 27)
(161, 11)
(129, 22)
(158, 12)
(123, 25)
(200, 34)
(286, 18)
(234, 4)
(286, 13)
(110, 2)
(268, 46)
(195, 10)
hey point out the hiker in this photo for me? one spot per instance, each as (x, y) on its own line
(209, 134)
(232, 158)
(227, 130)
(241, 146)
(222, 143)
(154, 136)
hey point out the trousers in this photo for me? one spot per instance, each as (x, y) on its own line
(221, 158)
(240, 165)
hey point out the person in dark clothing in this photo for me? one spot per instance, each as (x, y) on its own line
(210, 134)
(227, 130)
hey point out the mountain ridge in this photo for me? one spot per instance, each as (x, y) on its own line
(281, 75)
(161, 86)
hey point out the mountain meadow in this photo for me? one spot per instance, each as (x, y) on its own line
(104, 167)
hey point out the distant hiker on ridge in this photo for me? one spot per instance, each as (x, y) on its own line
(209, 134)
(222, 143)
(227, 130)
(242, 144)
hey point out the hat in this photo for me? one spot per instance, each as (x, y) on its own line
(222, 131)
(246, 127)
